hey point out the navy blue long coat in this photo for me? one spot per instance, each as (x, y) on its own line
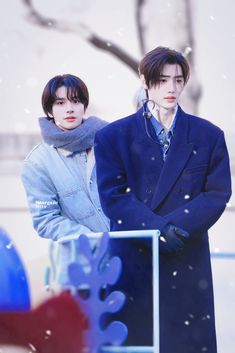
(138, 190)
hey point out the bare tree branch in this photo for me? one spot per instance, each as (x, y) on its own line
(82, 31)
(189, 27)
(115, 50)
(195, 90)
(140, 26)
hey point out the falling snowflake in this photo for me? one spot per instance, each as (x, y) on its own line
(121, 31)
(31, 346)
(203, 284)
(9, 245)
(224, 77)
(187, 51)
(27, 111)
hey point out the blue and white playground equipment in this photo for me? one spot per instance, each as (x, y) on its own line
(102, 270)
(14, 290)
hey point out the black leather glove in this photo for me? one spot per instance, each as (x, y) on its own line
(172, 239)
(182, 234)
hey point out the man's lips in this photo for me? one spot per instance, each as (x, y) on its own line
(170, 97)
(70, 118)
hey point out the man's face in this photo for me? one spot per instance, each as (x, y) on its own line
(68, 114)
(166, 93)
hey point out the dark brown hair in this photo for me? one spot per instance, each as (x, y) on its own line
(76, 89)
(151, 66)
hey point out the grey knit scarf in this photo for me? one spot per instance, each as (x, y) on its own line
(76, 140)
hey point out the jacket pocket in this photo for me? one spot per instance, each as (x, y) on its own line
(193, 180)
(76, 204)
(198, 169)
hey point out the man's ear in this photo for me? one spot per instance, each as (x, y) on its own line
(143, 82)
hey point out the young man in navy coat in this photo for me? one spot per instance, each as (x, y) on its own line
(162, 168)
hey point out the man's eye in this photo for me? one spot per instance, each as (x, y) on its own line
(75, 100)
(179, 80)
(162, 80)
(59, 102)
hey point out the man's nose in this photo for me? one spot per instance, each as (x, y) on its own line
(69, 107)
(171, 87)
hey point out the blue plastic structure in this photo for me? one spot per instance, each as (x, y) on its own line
(93, 278)
(14, 290)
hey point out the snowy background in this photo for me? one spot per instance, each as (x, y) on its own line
(43, 38)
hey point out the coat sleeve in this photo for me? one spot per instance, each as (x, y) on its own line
(199, 214)
(119, 203)
(44, 206)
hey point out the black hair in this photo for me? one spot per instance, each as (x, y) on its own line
(151, 66)
(76, 89)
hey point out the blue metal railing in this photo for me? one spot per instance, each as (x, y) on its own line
(223, 255)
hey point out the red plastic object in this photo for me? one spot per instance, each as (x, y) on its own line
(57, 325)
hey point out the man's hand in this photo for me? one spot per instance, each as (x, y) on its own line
(172, 239)
(182, 234)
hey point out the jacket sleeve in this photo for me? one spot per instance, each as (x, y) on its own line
(44, 206)
(199, 214)
(119, 203)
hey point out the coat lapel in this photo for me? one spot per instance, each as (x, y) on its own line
(149, 151)
(146, 138)
(179, 153)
